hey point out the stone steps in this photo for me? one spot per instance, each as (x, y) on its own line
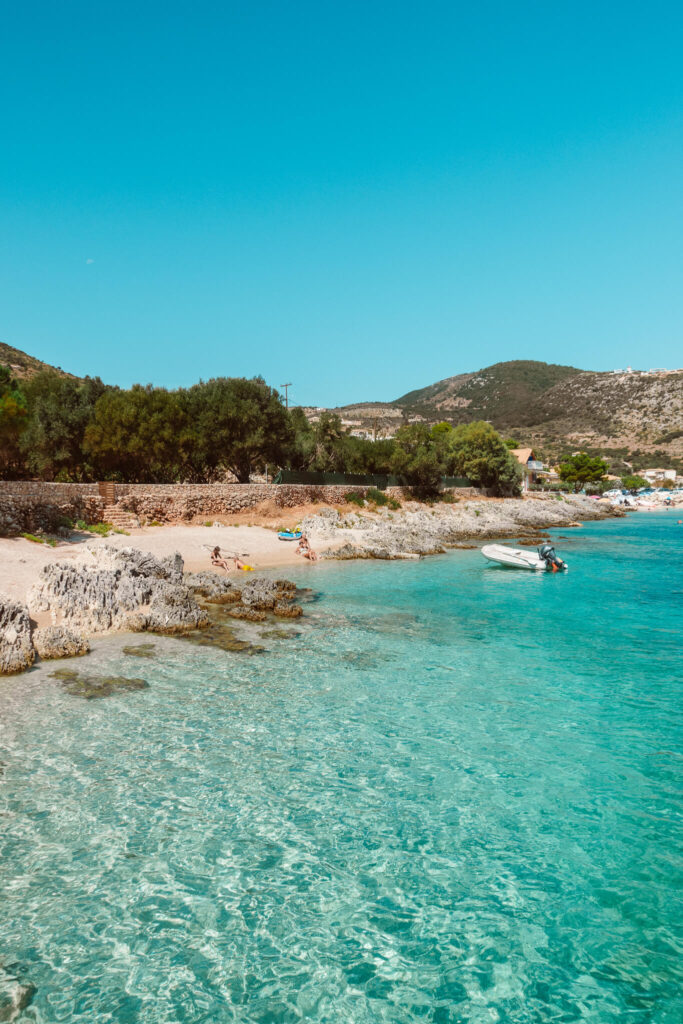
(120, 518)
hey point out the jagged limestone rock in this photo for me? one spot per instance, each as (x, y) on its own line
(287, 611)
(248, 614)
(173, 609)
(132, 591)
(16, 645)
(59, 642)
(211, 585)
(139, 563)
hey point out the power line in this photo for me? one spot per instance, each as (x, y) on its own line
(286, 386)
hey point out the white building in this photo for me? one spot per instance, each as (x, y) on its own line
(659, 474)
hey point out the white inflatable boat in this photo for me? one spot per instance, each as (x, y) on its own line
(544, 559)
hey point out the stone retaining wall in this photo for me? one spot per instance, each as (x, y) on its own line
(27, 505)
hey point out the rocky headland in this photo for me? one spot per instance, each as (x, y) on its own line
(418, 530)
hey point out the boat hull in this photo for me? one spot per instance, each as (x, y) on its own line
(514, 558)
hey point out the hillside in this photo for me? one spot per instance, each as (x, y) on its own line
(505, 393)
(24, 365)
(635, 419)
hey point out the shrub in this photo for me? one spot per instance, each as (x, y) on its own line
(101, 529)
(354, 498)
(40, 540)
(377, 496)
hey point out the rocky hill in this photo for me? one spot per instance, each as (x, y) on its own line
(503, 393)
(634, 418)
(24, 365)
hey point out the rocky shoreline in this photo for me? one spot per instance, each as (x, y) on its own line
(128, 590)
(418, 530)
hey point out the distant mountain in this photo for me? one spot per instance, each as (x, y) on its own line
(25, 366)
(633, 418)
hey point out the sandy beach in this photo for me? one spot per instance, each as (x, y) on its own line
(22, 559)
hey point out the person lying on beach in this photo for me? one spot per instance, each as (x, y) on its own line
(218, 560)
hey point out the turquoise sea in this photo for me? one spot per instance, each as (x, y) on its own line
(452, 794)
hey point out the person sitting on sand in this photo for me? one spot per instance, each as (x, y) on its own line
(218, 560)
(306, 549)
(304, 546)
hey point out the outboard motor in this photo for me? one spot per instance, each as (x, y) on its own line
(552, 562)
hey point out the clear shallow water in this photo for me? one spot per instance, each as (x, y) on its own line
(454, 796)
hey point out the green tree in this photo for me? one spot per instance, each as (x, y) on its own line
(238, 425)
(140, 435)
(581, 469)
(476, 451)
(60, 409)
(302, 445)
(416, 460)
(633, 483)
(13, 422)
(364, 456)
(329, 445)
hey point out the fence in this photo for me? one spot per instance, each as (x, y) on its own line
(291, 476)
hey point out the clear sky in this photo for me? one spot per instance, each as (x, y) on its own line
(358, 197)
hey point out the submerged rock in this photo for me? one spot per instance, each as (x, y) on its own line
(59, 642)
(141, 651)
(15, 997)
(16, 646)
(91, 687)
(281, 634)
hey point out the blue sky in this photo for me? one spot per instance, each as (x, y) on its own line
(360, 198)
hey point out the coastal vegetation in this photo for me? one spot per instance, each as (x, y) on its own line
(633, 483)
(54, 427)
(581, 469)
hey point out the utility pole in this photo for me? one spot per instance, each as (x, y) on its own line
(286, 386)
